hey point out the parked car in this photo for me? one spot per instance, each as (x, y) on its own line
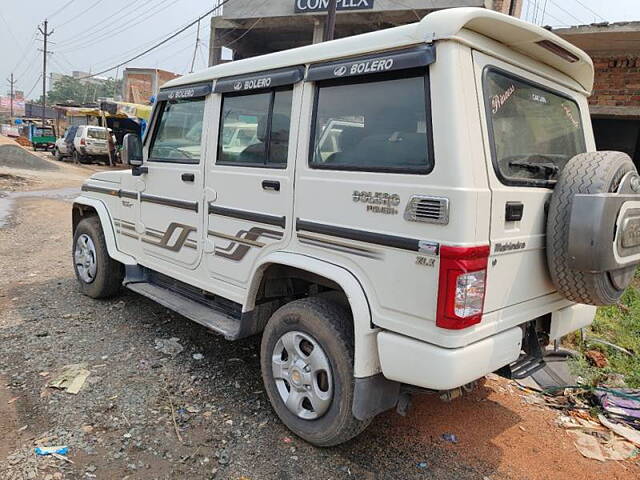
(63, 147)
(457, 221)
(60, 149)
(90, 144)
(42, 137)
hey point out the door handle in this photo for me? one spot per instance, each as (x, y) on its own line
(188, 177)
(271, 185)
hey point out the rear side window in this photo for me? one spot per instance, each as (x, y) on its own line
(97, 133)
(255, 129)
(533, 131)
(377, 124)
(178, 136)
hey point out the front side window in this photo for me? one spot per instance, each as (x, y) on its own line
(255, 129)
(178, 135)
(534, 131)
(376, 124)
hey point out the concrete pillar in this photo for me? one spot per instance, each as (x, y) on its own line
(215, 48)
(318, 29)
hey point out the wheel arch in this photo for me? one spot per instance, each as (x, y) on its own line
(366, 360)
(84, 207)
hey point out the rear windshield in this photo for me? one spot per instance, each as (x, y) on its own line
(97, 133)
(43, 132)
(373, 125)
(534, 131)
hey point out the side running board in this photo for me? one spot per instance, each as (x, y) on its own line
(205, 315)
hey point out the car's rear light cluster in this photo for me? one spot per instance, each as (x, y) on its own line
(462, 286)
(83, 141)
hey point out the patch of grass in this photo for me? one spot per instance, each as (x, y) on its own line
(618, 324)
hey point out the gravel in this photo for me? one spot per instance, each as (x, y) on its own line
(165, 397)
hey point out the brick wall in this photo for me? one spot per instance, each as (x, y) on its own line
(164, 77)
(617, 81)
(502, 6)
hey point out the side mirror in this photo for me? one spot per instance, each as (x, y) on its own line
(131, 153)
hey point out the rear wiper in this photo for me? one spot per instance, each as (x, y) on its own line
(548, 168)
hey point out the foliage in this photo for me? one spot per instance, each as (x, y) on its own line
(618, 324)
(69, 89)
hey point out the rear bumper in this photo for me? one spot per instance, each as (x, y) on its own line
(422, 364)
(93, 152)
(570, 319)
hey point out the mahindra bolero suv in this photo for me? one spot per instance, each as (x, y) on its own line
(418, 206)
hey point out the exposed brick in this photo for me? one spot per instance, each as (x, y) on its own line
(617, 81)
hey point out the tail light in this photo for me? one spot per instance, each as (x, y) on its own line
(83, 141)
(462, 286)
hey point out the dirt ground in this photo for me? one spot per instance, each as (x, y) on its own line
(143, 414)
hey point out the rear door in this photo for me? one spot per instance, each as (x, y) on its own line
(366, 195)
(249, 184)
(533, 127)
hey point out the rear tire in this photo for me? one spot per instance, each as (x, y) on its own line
(592, 172)
(98, 274)
(327, 328)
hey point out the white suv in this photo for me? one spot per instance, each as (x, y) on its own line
(417, 206)
(91, 144)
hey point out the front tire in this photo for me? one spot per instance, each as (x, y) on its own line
(98, 274)
(307, 368)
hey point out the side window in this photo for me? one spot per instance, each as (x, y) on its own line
(178, 134)
(254, 129)
(373, 124)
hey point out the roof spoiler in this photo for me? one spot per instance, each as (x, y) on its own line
(526, 38)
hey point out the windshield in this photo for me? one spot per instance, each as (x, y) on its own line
(534, 131)
(97, 133)
(44, 132)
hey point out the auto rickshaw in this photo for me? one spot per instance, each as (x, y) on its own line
(42, 137)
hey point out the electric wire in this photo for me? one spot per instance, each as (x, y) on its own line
(560, 22)
(34, 86)
(591, 10)
(15, 39)
(553, 2)
(165, 4)
(86, 10)
(243, 33)
(170, 37)
(123, 14)
(60, 9)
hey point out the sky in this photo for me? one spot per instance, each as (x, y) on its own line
(92, 35)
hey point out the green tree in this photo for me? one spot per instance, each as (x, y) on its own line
(69, 89)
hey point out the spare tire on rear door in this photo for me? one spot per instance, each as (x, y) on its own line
(588, 258)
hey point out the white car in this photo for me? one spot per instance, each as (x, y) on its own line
(419, 206)
(60, 149)
(90, 144)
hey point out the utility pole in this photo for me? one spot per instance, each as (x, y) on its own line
(195, 50)
(12, 82)
(330, 26)
(45, 33)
